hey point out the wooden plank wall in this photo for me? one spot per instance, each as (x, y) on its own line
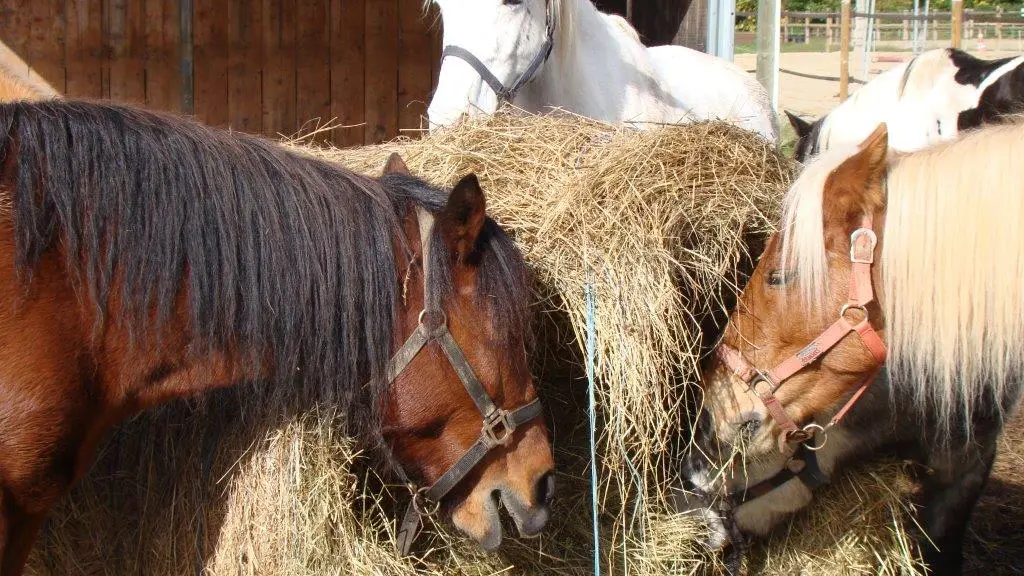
(693, 32)
(273, 67)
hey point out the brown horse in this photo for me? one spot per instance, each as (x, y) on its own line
(144, 257)
(884, 318)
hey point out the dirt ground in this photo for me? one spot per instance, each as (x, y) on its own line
(996, 540)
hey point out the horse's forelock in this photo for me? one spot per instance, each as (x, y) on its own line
(803, 234)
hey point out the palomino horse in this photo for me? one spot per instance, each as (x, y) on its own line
(927, 100)
(146, 257)
(13, 89)
(907, 276)
(538, 54)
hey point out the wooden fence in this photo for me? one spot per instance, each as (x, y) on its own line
(993, 30)
(273, 67)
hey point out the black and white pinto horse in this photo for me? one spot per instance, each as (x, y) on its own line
(928, 100)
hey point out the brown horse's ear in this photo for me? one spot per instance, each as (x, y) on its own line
(857, 186)
(462, 218)
(800, 126)
(395, 165)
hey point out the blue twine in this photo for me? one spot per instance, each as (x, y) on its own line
(592, 413)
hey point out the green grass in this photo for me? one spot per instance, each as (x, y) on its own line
(816, 45)
(787, 136)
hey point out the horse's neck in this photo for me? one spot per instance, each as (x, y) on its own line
(602, 55)
(854, 119)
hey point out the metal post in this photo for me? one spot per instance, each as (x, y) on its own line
(858, 35)
(957, 23)
(844, 51)
(769, 29)
(927, 5)
(868, 39)
(721, 28)
(917, 28)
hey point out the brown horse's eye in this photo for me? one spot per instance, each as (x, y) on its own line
(780, 277)
(431, 430)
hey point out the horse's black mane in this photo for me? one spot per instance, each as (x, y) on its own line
(277, 253)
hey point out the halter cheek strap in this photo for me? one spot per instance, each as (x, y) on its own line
(803, 464)
(507, 93)
(498, 426)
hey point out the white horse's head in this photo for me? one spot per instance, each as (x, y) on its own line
(491, 47)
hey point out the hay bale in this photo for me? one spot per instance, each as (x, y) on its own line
(656, 222)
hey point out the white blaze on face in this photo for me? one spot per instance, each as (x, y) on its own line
(505, 35)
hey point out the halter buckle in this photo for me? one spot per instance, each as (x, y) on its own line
(498, 428)
(798, 436)
(856, 235)
(422, 504)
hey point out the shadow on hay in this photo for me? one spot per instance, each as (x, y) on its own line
(711, 326)
(995, 544)
(166, 492)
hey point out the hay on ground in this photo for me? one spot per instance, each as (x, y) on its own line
(656, 222)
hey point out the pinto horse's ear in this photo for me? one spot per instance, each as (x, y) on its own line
(462, 218)
(395, 165)
(801, 126)
(857, 186)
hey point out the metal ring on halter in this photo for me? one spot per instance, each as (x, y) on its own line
(422, 505)
(847, 307)
(760, 376)
(809, 429)
(426, 314)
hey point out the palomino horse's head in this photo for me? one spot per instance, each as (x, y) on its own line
(462, 416)
(801, 341)
(491, 49)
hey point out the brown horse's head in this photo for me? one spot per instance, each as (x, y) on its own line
(431, 419)
(790, 300)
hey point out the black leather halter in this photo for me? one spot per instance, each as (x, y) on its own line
(508, 93)
(803, 466)
(498, 424)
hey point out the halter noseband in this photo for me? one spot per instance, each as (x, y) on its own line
(498, 424)
(804, 464)
(507, 93)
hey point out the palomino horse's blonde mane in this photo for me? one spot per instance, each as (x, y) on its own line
(11, 89)
(952, 269)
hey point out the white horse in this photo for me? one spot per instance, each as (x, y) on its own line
(565, 54)
(930, 99)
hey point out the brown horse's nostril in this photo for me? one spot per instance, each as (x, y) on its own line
(545, 489)
(750, 426)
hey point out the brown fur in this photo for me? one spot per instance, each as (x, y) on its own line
(63, 386)
(510, 385)
(855, 188)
